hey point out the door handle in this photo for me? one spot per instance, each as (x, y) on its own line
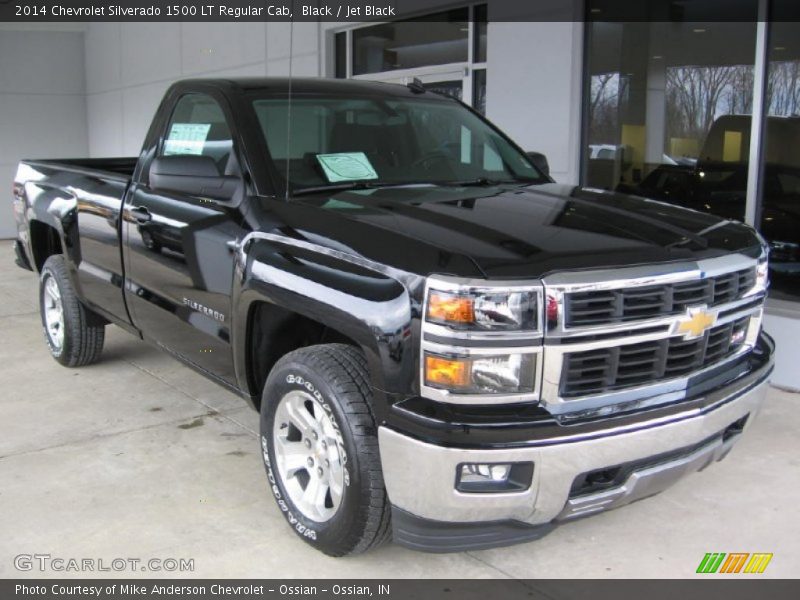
(141, 214)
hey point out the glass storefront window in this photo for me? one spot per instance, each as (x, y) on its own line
(436, 39)
(340, 54)
(668, 111)
(779, 211)
(445, 51)
(481, 24)
(479, 90)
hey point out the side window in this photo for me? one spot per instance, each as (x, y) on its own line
(198, 127)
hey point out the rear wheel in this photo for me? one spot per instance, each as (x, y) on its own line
(73, 333)
(320, 448)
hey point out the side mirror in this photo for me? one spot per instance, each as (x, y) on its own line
(539, 161)
(194, 175)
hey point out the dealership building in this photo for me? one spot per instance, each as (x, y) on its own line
(671, 103)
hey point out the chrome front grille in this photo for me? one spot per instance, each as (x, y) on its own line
(599, 307)
(638, 336)
(619, 367)
(615, 339)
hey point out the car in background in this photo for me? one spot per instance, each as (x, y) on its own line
(717, 183)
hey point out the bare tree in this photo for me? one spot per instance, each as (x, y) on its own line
(739, 94)
(695, 93)
(604, 105)
(598, 94)
(783, 88)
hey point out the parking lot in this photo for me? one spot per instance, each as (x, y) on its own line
(140, 457)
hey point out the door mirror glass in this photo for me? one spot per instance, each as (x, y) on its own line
(539, 161)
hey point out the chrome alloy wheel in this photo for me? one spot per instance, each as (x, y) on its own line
(309, 455)
(53, 312)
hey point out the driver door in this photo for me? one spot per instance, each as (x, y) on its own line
(179, 261)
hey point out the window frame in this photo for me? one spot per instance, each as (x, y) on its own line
(470, 66)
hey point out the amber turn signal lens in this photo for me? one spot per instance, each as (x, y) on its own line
(452, 308)
(447, 372)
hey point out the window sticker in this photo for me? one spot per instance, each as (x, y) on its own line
(491, 159)
(466, 145)
(346, 166)
(186, 138)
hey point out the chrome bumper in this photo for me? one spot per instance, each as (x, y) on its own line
(647, 481)
(420, 477)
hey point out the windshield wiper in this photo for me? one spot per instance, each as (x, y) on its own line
(334, 187)
(359, 185)
(486, 182)
(371, 185)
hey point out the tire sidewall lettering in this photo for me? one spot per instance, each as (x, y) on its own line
(282, 505)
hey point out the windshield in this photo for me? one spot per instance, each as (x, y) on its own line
(338, 142)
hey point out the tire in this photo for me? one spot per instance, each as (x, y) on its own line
(73, 333)
(331, 382)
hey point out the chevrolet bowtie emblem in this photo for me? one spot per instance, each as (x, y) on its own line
(696, 323)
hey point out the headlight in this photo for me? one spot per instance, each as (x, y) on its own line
(762, 267)
(762, 274)
(481, 341)
(483, 309)
(493, 374)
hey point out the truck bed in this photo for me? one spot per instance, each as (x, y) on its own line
(117, 166)
(76, 205)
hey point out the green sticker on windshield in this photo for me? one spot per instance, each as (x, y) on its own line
(346, 166)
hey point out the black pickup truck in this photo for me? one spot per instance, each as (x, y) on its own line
(445, 346)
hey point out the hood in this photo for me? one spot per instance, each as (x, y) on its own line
(506, 231)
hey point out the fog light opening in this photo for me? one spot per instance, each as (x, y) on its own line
(477, 478)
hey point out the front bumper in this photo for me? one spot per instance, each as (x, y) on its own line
(430, 514)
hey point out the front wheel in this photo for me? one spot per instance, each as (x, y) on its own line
(320, 448)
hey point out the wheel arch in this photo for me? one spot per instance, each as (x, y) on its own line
(298, 294)
(52, 224)
(273, 331)
(45, 241)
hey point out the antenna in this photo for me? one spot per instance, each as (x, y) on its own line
(289, 102)
(416, 86)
